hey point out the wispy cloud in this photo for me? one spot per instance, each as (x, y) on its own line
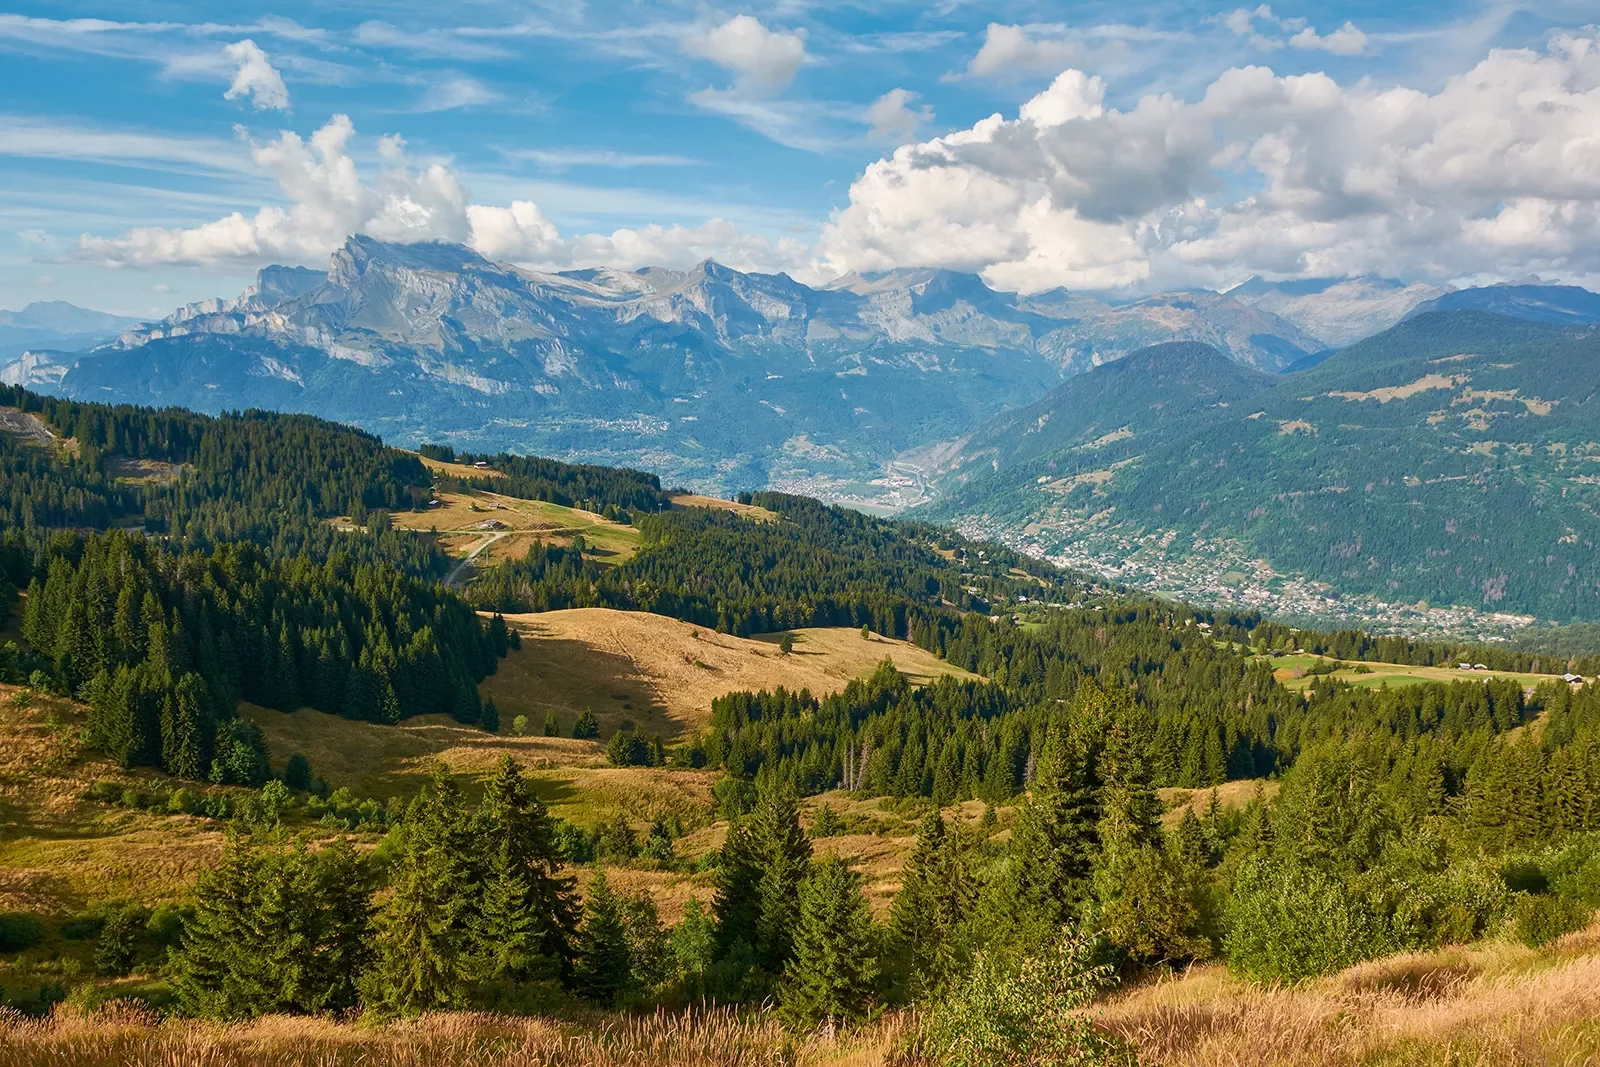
(562, 158)
(49, 138)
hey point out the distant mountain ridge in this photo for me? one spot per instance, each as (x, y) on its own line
(57, 324)
(1536, 303)
(713, 377)
(1339, 311)
(1113, 411)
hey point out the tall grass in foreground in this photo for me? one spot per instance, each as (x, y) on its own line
(1494, 1004)
(1489, 1005)
(122, 1037)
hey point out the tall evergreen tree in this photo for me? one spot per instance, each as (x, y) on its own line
(1047, 877)
(928, 921)
(782, 853)
(517, 833)
(833, 972)
(604, 969)
(425, 932)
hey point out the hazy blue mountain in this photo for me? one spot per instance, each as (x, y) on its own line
(1537, 303)
(56, 324)
(710, 376)
(1339, 311)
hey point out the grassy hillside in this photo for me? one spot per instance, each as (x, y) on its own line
(663, 674)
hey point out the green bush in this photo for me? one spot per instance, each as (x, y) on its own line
(18, 931)
(1288, 923)
(586, 727)
(1022, 1012)
(1539, 920)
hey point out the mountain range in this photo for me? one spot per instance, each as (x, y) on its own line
(1319, 427)
(713, 377)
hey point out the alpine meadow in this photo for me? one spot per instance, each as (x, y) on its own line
(836, 535)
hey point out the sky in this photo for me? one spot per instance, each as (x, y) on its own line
(156, 152)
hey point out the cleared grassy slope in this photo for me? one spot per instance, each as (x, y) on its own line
(663, 674)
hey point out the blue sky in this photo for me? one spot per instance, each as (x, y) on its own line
(141, 141)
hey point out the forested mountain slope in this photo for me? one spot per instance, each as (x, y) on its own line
(1448, 459)
(1114, 411)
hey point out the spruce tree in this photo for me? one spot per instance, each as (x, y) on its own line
(603, 970)
(783, 855)
(737, 901)
(515, 832)
(424, 933)
(833, 972)
(1047, 876)
(928, 921)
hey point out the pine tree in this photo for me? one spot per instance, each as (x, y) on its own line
(832, 976)
(506, 933)
(928, 921)
(1047, 877)
(737, 901)
(783, 855)
(603, 968)
(515, 829)
(424, 933)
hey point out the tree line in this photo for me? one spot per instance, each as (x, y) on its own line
(162, 644)
(608, 490)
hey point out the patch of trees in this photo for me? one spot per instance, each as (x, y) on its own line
(163, 644)
(608, 490)
(270, 478)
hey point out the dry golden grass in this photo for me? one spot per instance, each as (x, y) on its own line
(662, 674)
(1487, 1005)
(458, 470)
(1230, 796)
(749, 511)
(572, 776)
(126, 1037)
(59, 850)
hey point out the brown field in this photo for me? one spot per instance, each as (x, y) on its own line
(1230, 795)
(1493, 1004)
(127, 1037)
(381, 761)
(663, 674)
(458, 470)
(750, 511)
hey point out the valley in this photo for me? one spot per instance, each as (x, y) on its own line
(620, 723)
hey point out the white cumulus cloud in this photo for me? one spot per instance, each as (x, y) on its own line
(1495, 172)
(892, 117)
(326, 199)
(762, 60)
(1345, 41)
(1010, 51)
(255, 77)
